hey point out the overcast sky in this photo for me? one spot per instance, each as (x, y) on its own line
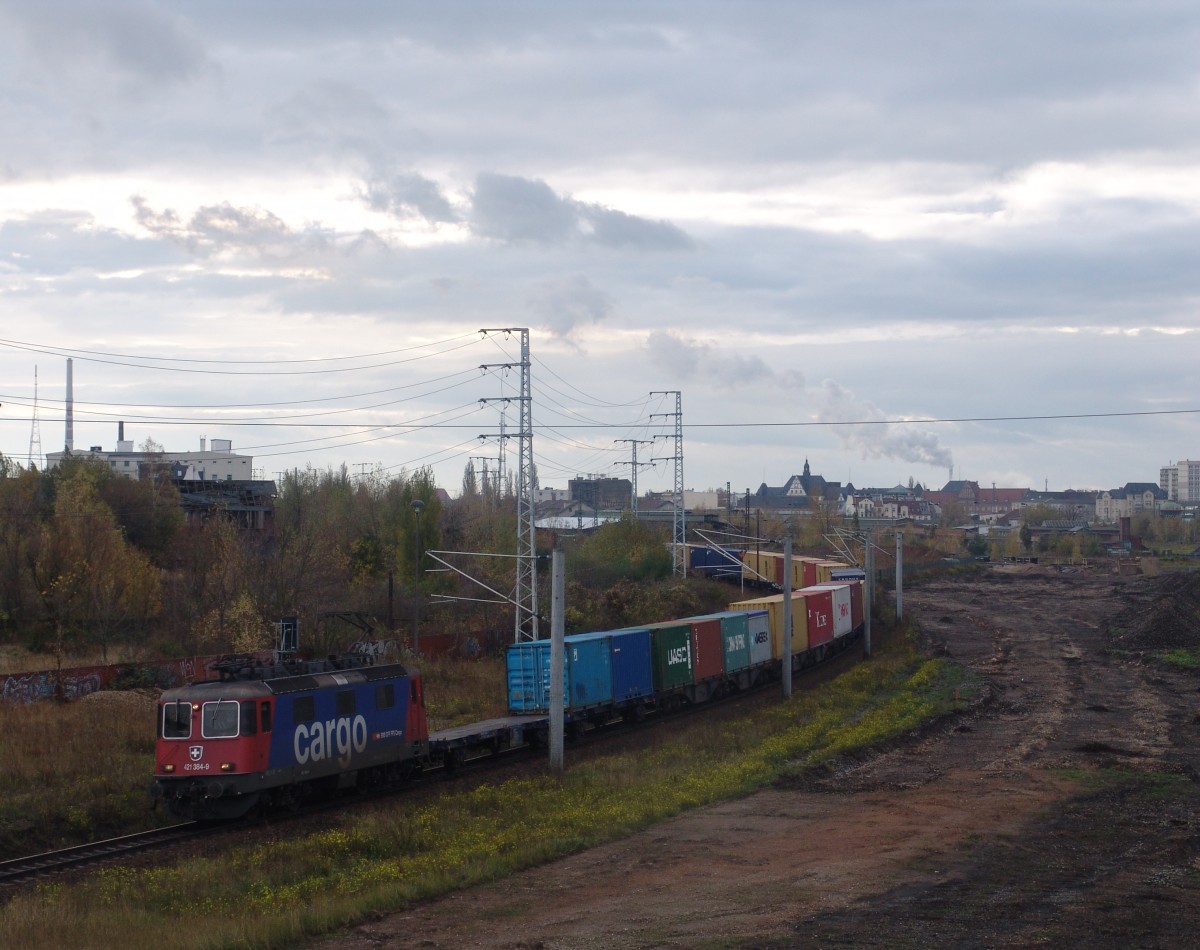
(852, 233)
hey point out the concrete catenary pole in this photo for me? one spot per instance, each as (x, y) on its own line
(558, 586)
(899, 576)
(868, 592)
(787, 618)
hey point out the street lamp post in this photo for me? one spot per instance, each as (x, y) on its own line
(417, 505)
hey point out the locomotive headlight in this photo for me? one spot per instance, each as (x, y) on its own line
(168, 767)
(227, 766)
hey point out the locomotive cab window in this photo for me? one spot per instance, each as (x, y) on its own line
(266, 717)
(219, 720)
(249, 726)
(177, 720)
(385, 696)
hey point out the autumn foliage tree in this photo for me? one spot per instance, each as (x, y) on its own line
(90, 584)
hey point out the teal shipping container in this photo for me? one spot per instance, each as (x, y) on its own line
(735, 639)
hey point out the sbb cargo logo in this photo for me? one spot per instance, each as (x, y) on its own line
(316, 741)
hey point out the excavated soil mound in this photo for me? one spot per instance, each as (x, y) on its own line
(1159, 613)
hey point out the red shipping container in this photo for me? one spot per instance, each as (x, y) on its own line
(820, 615)
(708, 650)
(856, 604)
(810, 572)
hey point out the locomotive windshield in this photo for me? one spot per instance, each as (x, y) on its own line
(177, 720)
(220, 719)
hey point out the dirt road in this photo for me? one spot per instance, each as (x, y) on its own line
(1062, 811)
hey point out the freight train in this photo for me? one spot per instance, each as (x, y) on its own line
(270, 737)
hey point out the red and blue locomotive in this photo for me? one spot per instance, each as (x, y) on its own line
(273, 736)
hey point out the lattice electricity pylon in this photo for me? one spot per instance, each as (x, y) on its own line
(634, 465)
(525, 596)
(679, 520)
(35, 434)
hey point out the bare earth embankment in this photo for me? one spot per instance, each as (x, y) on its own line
(1061, 811)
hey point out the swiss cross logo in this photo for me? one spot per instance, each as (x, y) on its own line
(196, 752)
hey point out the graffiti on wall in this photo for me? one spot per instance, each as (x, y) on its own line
(35, 687)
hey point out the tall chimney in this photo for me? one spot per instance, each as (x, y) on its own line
(121, 431)
(70, 441)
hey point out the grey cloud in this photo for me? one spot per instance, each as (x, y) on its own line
(516, 209)
(512, 209)
(905, 443)
(685, 358)
(339, 118)
(216, 230)
(62, 242)
(405, 195)
(618, 229)
(563, 304)
(144, 46)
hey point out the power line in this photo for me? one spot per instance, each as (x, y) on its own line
(735, 425)
(62, 350)
(235, 372)
(17, 399)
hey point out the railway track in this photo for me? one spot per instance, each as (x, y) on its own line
(50, 864)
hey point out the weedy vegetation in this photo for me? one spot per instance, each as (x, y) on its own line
(1182, 659)
(74, 772)
(384, 859)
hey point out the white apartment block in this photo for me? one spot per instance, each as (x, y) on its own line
(1181, 480)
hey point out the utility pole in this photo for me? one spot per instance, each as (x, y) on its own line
(633, 469)
(899, 576)
(525, 596)
(679, 521)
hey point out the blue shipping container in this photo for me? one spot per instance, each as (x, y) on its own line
(528, 673)
(589, 679)
(715, 561)
(632, 670)
(587, 675)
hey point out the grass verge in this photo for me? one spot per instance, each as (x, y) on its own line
(1184, 659)
(276, 895)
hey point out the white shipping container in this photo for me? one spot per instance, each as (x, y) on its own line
(759, 627)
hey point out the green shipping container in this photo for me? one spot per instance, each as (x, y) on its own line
(671, 654)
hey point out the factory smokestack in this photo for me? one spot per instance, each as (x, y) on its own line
(70, 441)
